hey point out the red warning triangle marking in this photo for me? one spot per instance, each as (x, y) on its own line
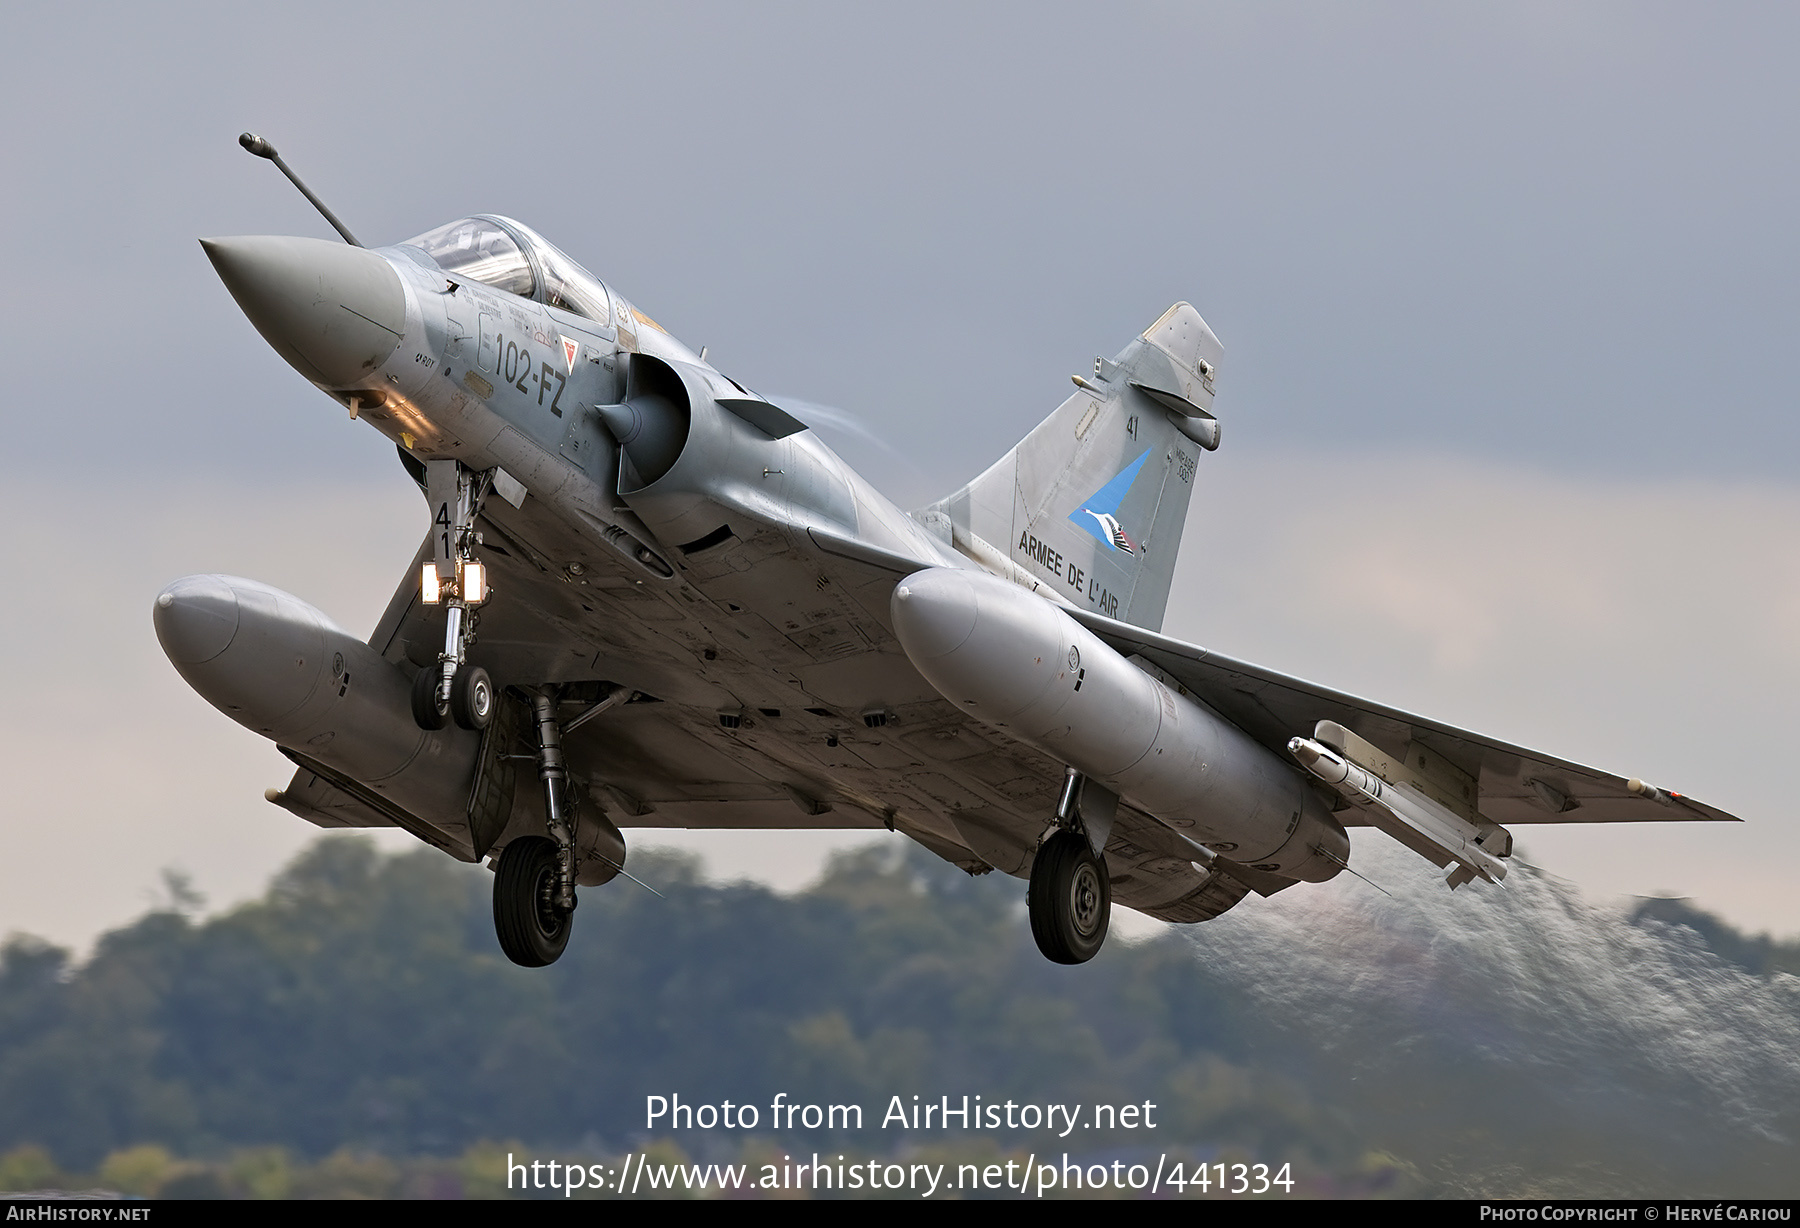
(570, 349)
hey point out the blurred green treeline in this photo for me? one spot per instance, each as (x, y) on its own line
(356, 1031)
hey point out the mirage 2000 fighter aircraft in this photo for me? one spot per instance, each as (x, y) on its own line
(649, 597)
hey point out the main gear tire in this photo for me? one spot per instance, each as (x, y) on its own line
(1069, 899)
(532, 931)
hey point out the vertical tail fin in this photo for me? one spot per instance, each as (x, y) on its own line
(1091, 504)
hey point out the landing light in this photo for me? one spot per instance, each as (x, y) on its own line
(474, 582)
(428, 585)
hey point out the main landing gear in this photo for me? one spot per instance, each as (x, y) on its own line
(534, 884)
(453, 688)
(1070, 897)
(532, 930)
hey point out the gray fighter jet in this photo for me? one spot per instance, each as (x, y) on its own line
(650, 597)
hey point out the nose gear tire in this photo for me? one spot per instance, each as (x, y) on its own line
(472, 698)
(1069, 899)
(532, 931)
(425, 710)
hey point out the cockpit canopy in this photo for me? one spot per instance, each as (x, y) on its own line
(493, 251)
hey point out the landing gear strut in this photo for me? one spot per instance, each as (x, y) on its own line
(534, 884)
(1070, 897)
(454, 577)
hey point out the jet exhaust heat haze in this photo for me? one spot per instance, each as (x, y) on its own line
(648, 596)
(1526, 1031)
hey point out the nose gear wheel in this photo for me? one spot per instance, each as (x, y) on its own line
(472, 697)
(427, 712)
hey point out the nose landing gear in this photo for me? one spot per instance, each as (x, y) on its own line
(451, 688)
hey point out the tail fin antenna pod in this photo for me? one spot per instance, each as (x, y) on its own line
(1092, 502)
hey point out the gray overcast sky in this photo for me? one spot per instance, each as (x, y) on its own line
(1538, 258)
(1555, 233)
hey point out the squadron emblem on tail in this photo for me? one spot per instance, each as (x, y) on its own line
(1104, 504)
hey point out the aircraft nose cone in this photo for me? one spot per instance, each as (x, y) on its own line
(196, 618)
(334, 312)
